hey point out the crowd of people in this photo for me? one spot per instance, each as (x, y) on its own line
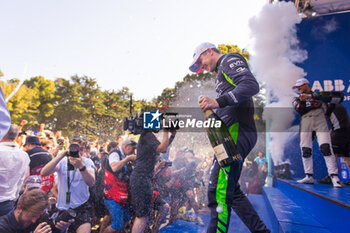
(96, 187)
(254, 175)
(145, 188)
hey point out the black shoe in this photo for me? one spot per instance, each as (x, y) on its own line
(326, 180)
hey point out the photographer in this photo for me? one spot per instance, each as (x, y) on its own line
(29, 214)
(141, 177)
(75, 175)
(117, 175)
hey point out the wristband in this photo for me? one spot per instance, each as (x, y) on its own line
(82, 169)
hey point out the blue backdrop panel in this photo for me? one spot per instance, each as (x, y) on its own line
(327, 41)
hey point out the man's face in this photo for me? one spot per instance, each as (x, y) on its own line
(48, 147)
(206, 60)
(129, 150)
(304, 88)
(26, 218)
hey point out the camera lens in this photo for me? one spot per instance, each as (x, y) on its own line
(72, 213)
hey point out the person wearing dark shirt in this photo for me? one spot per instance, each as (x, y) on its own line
(340, 135)
(39, 157)
(141, 177)
(312, 119)
(235, 87)
(28, 215)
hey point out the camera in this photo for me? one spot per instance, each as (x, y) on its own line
(168, 164)
(63, 215)
(123, 176)
(74, 150)
(134, 125)
(124, 173)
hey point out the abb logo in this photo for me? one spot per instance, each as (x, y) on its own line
(330, 85)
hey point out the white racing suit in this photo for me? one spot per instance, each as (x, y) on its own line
(312, 121)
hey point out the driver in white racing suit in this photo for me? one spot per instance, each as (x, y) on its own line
(313, 123)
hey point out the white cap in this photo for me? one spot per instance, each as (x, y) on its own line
(197, 52)
(33, 181)
(300, 82)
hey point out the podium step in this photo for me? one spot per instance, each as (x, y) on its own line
(338, 196)
(325, 204)
(236, 225)
(290, 216)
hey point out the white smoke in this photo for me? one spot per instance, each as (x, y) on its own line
(275, 51)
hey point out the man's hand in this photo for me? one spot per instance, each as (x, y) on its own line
(131, 157)
(76, 162)
(23, 123)
(303, 97)
(206, 103)
(162, 163)
(159, 166)
(62, 225)
(43, 228)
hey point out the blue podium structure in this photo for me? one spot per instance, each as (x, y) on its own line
(326, 39)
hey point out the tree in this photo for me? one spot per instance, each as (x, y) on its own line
(68, 104)
(233, 49)
(45, 94)
(23, 105)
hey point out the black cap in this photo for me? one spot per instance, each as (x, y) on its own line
(32, 140)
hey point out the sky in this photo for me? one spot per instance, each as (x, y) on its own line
(145, 45)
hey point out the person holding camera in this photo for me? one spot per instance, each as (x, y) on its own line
(141, 177)
(30, 216)
(117, 175)
(75, 175)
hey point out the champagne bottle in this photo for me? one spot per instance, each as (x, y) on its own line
(329, 97)
(222, 142)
